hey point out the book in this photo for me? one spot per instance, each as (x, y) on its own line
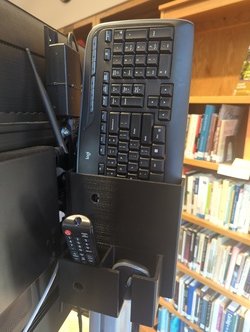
(221, 314)
(211, 137)
(244, 256)
(229, 317)
(193, 131)
(209, 317)
(229, 117)
(246, 321)
(236, 250)
(243, 86)
(174, 324)
(204, 307)
(162, 318)
(192, 286)
(205, 127)
(215, 312)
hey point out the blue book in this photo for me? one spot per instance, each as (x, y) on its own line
(192, 287)
(229, 317)
(162, 320)
(175, 324)
(205, 126)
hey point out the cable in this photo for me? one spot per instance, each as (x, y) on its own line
(40, 303)
(79, 315)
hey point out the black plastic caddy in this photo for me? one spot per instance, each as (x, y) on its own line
(132, 219)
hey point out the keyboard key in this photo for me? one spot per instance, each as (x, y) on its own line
(123, 146)
(144, 162)
(107, 54)
(118, 34)
(166, 46)
(101, 168)
(165, 102)
(117, 60)
(133, 156)
(102, 150)
(166, 89)
(141, 34)
(164, 115)
(141, 47)
(111, 162)
(151, 72)
(153, 46)
(127, 72)
(113, 123)
(128, 60)
(106, 76)
(112, 140)
(104, 101)
(112, 151)
(132, 176)
(134, 144)
(122, 169)
(111, 172)
(118, 48)
(138, 89)
(156, 177)
(145, 151)
(143, 174)
(122, 157)
(135, 129)
(127, 89)
(159, 134)
(152, 59)
(132, 101)
(115, 89)
(114, 101)
(132, 167)
(164, 68)
(105, 89)
(147, 127)
(153, 101)
(157, 165)
(125, 120)
(158, 33)
(117, 73)
(140, 60)
(108, 36)
(139, 72)
(158, 151)
(104, 115)
(129, 47)
(124, 135)
(103, 127)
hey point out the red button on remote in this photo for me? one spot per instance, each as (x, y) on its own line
(67, 232)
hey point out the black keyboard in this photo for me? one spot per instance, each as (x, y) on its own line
(135, 99)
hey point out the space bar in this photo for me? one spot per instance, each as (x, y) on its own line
(132, 101)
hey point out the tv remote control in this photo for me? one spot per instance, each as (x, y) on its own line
(79, 234)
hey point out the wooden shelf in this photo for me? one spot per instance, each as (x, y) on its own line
(240, 237)
(239, 100)
(173, 311)
(215, 286)
(201, 164)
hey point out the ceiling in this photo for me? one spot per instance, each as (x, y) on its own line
(58, 14)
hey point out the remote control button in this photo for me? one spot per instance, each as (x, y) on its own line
(67, 232)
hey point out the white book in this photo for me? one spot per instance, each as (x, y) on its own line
(244, 256)
(215, 201)
(189, 193)
(240, 290)
(246, 326)
(244, 207)
(181, 292)
(194, 122)
(202, 195)
(214, 316)
(223, 200)
(238, 208)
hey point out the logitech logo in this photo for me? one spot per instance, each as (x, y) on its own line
(87, 155)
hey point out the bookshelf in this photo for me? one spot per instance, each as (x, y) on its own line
(215, 286)
(220, 47)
